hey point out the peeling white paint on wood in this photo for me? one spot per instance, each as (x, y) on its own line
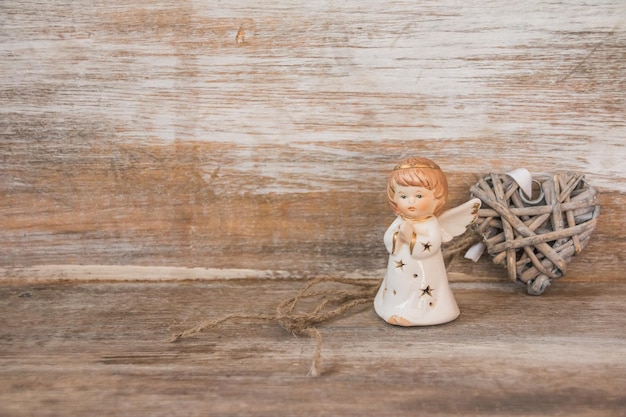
(121, 124)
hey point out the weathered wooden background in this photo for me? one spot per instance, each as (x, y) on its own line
(171, 140)
(257, 136)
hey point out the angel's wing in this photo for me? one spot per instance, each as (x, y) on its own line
(453, 222)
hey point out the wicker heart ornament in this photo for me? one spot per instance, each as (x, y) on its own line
(535, 237)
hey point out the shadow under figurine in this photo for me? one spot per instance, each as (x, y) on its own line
(415, 290)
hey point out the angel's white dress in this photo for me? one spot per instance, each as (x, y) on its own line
(415, 290)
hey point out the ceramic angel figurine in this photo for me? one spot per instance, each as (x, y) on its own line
(415, 290)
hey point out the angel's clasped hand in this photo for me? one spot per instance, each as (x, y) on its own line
(405, 234)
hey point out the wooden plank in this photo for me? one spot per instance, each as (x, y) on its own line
(102, 348)
(165, 214)
(199, 134)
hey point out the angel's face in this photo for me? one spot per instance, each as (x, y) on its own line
(414, 203)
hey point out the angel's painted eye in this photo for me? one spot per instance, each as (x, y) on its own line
(419, 196)
(403, 197)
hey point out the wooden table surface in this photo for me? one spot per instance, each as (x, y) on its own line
(102, 349)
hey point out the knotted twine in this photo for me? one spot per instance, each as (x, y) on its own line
(331, 303)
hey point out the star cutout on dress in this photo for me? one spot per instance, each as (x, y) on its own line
(427, 290)
(400, 264)
(426, 246)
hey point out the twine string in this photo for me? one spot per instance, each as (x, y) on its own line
(331, 303)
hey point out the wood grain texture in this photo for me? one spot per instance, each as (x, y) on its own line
(85, 349)
(245, 136)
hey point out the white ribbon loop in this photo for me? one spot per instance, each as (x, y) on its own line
(523, 178)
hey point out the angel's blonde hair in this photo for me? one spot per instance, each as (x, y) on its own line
(418, 172)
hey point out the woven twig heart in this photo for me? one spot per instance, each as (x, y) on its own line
(536, 237)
